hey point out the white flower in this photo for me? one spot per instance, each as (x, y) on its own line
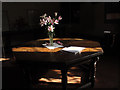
(45, 21)
(44, 15)
(49, 22)
(41, 23)
(50, 28)
(59, 18)
(49, 19)
(56, 21)
(55, 13)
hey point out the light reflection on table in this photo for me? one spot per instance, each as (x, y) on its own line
(43, 49)
(4, 59)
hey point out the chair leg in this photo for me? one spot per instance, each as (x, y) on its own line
(93, 71)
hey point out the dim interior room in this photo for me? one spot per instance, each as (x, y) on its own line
(94, 21)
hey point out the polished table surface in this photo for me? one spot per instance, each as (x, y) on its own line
(34, 51)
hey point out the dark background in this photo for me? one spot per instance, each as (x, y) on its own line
(79, 19)
(83, 20)
(20, 23)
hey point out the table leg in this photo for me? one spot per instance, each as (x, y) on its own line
(93, 70)
(64, 78)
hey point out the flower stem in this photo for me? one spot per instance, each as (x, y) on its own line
(51, 39)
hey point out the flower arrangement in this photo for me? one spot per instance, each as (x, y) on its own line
(50, 24)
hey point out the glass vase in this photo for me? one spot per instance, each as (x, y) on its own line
(51, 39)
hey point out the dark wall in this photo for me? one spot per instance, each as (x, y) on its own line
(26, 14)
(112, 24)
(21, 20)
(83, 19)
(112, 17)
(79, 19)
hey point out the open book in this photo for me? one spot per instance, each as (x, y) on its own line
(73, 49)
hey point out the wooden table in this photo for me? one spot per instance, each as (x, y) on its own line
(33, 53)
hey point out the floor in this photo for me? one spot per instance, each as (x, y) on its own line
(107, 75)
